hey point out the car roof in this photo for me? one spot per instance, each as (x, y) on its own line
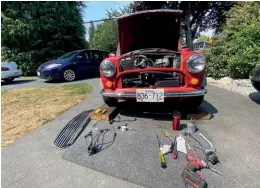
(89, 49)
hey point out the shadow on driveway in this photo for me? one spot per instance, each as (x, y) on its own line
(18, 82)
(255, 96)
(79, 79)
(161, 111)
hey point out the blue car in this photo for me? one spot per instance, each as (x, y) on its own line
(80, 63)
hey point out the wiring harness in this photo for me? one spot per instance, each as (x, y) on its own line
(96, 142)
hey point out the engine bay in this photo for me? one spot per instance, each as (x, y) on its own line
(151, 79)
(150, 61)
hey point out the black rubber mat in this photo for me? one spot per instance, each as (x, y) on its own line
(72, 130)
(134, 156)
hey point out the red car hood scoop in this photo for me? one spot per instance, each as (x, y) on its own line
(149, 29)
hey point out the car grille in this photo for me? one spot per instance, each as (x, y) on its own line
(155, 79)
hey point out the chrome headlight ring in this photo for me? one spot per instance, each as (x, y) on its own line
(107, 68)
(196, 63)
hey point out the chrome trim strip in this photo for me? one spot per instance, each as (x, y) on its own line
(166, 94)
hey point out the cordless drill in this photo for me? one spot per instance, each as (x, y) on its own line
(189, 175)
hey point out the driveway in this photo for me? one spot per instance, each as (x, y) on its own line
(34, 82)
(32, 161)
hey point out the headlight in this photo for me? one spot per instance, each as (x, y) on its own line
(53, 66)
(108, 68)
(196, 63)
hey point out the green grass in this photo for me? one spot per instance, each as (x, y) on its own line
(79, 88)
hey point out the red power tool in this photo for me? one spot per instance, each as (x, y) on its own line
(189, 174)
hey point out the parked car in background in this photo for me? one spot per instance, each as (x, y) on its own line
(255, 77)
(80, 63)
(150, 65)
(10, 71)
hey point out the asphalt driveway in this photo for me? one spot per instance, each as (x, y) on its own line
(32, 161)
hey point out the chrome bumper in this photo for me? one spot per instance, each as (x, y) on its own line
(166, 94)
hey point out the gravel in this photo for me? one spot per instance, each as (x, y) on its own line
(241, 86)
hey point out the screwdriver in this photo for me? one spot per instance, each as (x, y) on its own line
(175, 151)
(161, 155)
(162, 160)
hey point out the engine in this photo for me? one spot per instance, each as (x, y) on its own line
(144, 61)
(152, 78)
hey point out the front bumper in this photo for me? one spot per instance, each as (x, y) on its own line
(54, 74)
(131, 95)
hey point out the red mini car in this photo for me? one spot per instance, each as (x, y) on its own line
(150, 65)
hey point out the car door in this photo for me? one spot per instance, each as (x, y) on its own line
(80, 63)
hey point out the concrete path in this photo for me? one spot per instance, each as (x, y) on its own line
(34, 82)
(32, 161)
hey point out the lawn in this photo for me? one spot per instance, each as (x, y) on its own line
(24, 110)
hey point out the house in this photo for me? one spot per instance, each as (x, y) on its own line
(201, 45)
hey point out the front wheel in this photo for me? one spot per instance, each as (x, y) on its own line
(8, 80)
(110, 101)
(69, 75)
(193, 102)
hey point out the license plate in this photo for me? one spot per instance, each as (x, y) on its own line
(38, 73)
(150, 95)
(16, 74)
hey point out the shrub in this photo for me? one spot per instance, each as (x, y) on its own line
(237, 49)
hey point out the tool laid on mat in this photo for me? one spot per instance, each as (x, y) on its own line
(192, 179)
(196, 163)
(175, 151)
(210, 154)
(161, 155)
(189, 175)
(173, 146)
(94, 144)
(124, 127)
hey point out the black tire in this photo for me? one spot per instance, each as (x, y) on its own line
(69, 75)
(8, 80)
(110, 101)
(193, 102)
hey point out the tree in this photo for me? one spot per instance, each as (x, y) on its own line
(237, 48)
(203, 38)
(198, 15)
(35, 32)
(106, 33)
(91, 32)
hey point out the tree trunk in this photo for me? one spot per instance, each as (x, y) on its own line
(188, 31)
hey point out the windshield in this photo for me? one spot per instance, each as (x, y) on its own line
(68, 55)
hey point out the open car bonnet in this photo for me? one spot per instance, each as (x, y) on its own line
(149, 29)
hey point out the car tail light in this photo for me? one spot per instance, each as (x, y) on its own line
(4, 69)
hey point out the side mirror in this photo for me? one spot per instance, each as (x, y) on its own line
(79, 57)
(111, 55)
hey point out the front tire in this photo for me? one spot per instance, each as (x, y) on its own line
(110, 101)
(193, 102)
(8, 80)
(69, 75)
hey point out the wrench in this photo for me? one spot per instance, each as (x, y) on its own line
(212, 148)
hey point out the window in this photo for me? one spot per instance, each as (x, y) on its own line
(88, 54)
(105, 54)
(97, 54)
